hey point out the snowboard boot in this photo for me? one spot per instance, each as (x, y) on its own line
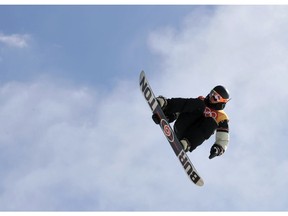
(185, 144)
(162, 101)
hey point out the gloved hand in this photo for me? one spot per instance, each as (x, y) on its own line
(216, 150)
(156, 118)
(170, 118)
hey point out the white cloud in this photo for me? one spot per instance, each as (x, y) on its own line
(15, 40)
(68, 148)
(243, 48)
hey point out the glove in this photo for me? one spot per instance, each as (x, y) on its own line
(216, 150)
(156, 118)
(170, 118)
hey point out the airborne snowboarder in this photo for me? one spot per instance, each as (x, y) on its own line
(198, 118)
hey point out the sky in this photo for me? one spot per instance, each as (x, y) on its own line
(76, 133)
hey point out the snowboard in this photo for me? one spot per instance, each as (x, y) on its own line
(168, 131)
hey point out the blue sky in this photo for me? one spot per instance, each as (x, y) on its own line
(76, 133)
(86, 41)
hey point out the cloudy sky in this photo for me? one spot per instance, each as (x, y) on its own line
(76, 133)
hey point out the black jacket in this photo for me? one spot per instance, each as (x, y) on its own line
(195, 120)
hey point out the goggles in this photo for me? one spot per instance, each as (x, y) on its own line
(214, 97)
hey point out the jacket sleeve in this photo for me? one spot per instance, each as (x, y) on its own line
(222, 134)
(182, 105)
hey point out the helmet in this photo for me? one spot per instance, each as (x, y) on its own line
(218, 97)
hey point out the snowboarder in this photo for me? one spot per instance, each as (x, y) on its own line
(198, 118)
